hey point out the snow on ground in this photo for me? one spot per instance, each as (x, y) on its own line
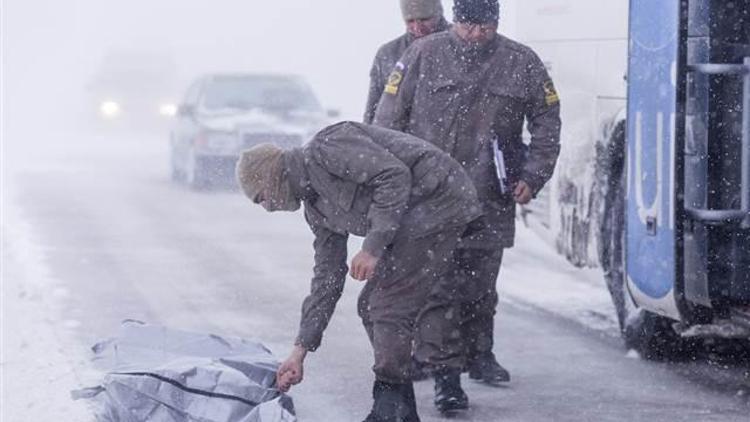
(533, 274)
(41, 363)
(37, 356)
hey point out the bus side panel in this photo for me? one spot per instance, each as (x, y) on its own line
(651, 239)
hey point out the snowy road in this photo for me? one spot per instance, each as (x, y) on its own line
(119, 240)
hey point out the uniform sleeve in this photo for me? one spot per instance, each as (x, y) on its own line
(394, 109)
(353, 156)
(326, 287)
(377, 83)
(543, 117)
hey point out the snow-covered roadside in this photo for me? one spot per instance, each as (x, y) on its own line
(38, 355)
(533, 274)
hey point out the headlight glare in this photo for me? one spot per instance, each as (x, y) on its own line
(168, 109)
(109, 109)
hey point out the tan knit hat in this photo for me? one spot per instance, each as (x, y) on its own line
(421, 9)
(260, 170)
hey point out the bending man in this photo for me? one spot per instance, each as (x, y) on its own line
(410, 201)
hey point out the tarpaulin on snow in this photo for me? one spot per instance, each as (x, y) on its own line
(158, 374)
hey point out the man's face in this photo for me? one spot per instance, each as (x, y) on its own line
(271, 205)
(264, 201)
(422, 27)
(260, 199)
(475, 33)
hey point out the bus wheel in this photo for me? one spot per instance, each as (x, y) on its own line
(649, 334)
(655, 339)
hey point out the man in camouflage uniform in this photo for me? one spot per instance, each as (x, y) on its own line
(422, 18)
(468, 90)
(410, 201)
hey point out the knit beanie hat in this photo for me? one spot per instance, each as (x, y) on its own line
(421, 9)
(476, 11)
(260, 170)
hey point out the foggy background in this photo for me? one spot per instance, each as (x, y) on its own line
(51, 49)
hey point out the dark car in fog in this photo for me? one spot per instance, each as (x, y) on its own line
(224, 114)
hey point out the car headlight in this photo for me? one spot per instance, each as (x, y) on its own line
(168, 109)
(109, 109)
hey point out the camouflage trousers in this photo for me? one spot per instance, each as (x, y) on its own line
(478, 270)
(409, 302)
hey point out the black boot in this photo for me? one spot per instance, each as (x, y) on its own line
(393, 403)
(449, 396)
(486, 369)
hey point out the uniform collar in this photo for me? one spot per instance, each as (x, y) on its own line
(443, 25)
(294, 161)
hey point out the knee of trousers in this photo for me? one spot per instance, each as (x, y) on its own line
(438, 321)
(392, 351)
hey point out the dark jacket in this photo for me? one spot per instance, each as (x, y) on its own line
(460, 100)
(381, 184)
(386, 57)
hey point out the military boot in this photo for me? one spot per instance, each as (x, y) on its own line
(393, 403)
(449, 396)
(485, 368)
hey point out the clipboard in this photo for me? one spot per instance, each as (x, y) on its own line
(500, 170)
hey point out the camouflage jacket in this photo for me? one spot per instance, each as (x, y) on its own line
(463, 99)
(384, 185)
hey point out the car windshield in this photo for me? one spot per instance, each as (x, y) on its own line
(275, 94)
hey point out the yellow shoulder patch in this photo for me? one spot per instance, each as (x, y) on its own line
(550, 94)
(394, 80)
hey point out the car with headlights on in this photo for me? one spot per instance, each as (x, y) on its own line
(132, 90)
(224, 114)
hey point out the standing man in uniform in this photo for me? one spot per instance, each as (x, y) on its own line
(422, 18)
(469, 91)
(409, 200)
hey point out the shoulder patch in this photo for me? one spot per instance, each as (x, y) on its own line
(550, 93)
(394, 80)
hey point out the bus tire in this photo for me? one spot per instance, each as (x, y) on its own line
(651, 335)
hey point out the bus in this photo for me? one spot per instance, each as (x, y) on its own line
(653, 182)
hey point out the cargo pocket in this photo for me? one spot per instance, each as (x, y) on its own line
(441, 95)
(347, 193)
(508, 103)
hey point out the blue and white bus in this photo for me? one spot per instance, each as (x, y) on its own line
(653, 183)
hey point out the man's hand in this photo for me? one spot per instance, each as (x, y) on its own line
(363, 266)
(522, 194)
(292, 370)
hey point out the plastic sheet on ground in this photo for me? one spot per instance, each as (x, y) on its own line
(158, 374)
